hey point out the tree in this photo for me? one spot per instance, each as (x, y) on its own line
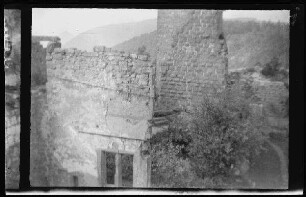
(141, 50)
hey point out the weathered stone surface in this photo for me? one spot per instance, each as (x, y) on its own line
(101, 98)
(59, 50)
(99, 48)
(90, 54)
(38, 67)
(52, 45)
(65, 136)
(188, 42)
(134, 56)
(143, 57)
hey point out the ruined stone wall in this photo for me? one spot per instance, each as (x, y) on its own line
(12, 97)
(12, 144)
(90, 99)
(273, 96)
(38, 65)
(191, 56)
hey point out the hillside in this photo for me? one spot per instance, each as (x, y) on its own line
(148, 40)
(256, 43)
(65, 37)
(249, 43)
(110, 35)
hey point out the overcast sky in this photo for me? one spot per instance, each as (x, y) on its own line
(48, 21)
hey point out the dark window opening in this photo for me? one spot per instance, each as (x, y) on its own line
(75, 181)
(110, 168)
(127, 170)
(116, 169)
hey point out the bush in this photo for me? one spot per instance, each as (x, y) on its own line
(170, 167)
(271, 68)
(206, 144)
(141, 50)
(224, 133)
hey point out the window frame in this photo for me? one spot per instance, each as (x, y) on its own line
(102, 170)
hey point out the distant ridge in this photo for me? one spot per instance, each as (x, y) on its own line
(111, 35)
(148, 40)
(250, 42)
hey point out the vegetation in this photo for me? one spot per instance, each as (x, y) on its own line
(205, 147)
(274, 71)
(250, 43)
(256, 43)
(148, 40)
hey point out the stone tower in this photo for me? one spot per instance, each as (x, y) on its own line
(191, 56)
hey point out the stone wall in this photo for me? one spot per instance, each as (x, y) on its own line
(12, 97)
(92, 101)
(273, 96)
(191, 56)
(85, 102)
(38, 65)
(270, 97)
(12, 143)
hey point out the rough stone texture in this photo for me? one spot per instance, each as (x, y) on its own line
(12, 97)
(38, 65)
(89, 97)
(52, 45)
(12, 142)
(273, 95)
(45, 38)
(92, 98)
(191, 56)
(38, 146)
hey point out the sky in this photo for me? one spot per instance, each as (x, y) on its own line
(51, 22)
(54, 21)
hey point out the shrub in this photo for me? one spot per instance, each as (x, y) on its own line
(223, 133)
(203, 146)
(170, 167)
(141, 50)
(271, 68)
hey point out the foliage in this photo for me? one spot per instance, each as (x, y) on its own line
(148, 40)
(271, 68)
(274, 71)
(169, 166)
(203, 146)
(224, 133)
(141, 50)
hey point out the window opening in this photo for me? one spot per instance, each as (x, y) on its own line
(116, 169)
(75, 181)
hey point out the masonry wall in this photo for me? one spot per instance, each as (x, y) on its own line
(12, 144)
(91, 99)
(12, 97)
(191, 56)
(273, 96)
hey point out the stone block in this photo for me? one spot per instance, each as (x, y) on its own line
(49, 57)
(58, 50)
(125, 54)
(52, 45)
(99, 48)
(110, 58)
(133, 55)
(58, 56)
(70, 51)
(108, 49)
(90, 54)
(143, 57)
